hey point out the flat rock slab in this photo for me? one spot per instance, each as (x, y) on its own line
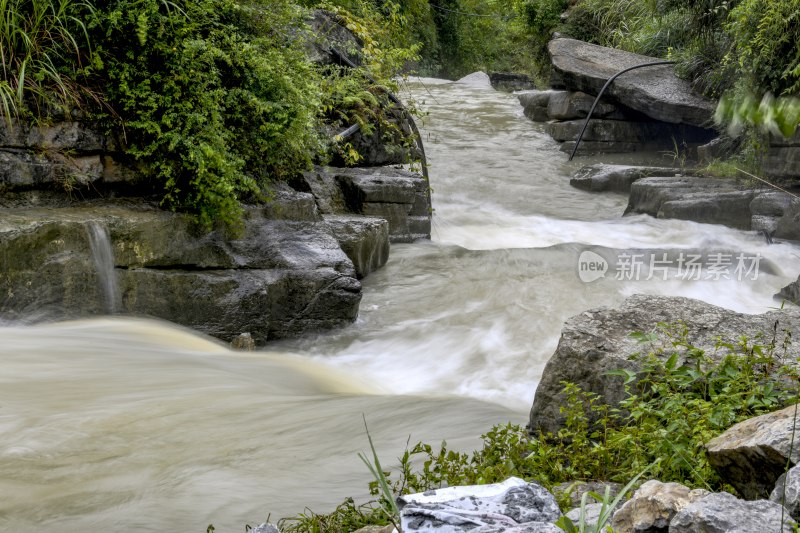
(513, 506)
(655, 91)
(726, 201)
(617, 178)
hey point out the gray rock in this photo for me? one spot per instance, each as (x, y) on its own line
(770, 203)
(724, 513)
(780, 140)
(782, 162)
(400, 197)
(709, 200)
(60, 136)
(365, 240)
(512, 506)
(597, 341)
(718, 148)
(787, 492)
(280, 278)
(617, 178)
(603, 147)
(384, 145)
(25, 170)
(726, 201)
(790, 293)
(788, 226)
(601, 130)
(655, 91)
(535, 104)
(753, 454)
(653, 506)
(571, 105)
(510, 82)
(244, 342)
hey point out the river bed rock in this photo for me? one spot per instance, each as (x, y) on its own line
(603, 177)
(280, 278)
(399, 196)
(730, 202)
(598, 341)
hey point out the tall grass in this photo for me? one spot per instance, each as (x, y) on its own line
(44, 44)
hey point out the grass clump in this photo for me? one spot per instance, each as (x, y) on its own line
(44, 49)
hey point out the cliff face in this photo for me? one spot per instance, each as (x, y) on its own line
(80, 234)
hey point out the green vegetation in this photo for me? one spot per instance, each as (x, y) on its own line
(678, 401)
(213, 99)
(44, 47)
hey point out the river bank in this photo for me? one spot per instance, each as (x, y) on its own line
(447, 325)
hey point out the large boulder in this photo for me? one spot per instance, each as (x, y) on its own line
(654, 91)
(598, 341)
(753, 454)
(725, 513)
(653, 506)
(291, 270)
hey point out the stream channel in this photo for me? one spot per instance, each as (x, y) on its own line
(126, 424)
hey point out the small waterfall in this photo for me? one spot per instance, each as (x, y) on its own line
(103, 257)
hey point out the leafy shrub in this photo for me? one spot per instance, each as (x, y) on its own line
(213, 105)
(766, 44)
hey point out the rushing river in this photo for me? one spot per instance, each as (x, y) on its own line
(123, 424)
